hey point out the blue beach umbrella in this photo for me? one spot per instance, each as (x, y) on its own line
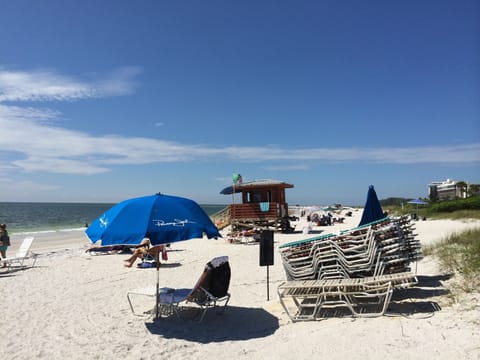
(417, 202)
(372, 210)
(229, 190)
(161, 218)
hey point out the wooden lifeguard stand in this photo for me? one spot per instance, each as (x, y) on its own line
(263, 205)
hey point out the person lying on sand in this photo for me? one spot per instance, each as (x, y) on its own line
(112, 249)
(116, 249)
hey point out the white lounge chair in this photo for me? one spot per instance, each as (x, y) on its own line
(22, 255)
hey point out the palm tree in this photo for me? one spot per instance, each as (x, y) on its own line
(473, 189)
(433, 196)
(462, 185)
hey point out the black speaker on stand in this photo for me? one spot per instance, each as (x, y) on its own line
(266, 253)
(266, 248)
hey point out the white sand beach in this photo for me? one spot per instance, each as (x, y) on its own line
(73, 305)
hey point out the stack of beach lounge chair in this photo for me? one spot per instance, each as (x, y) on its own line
(383, 247)
(351, 269)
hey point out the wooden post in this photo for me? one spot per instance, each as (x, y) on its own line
(232, 215)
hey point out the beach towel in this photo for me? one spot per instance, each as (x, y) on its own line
(147, 265)
(264, 206)
(164, 254)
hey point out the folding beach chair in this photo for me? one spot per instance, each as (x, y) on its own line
(23, 253)
(210, 290)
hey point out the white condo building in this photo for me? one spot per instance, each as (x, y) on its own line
(447, 189)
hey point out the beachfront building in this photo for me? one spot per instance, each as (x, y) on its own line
(451, 189)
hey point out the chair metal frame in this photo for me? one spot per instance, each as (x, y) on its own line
(363, 297)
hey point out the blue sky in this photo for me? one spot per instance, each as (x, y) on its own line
(106, 100)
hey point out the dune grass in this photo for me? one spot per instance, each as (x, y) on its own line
(456, 215)
(459, 253)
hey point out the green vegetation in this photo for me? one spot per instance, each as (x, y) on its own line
(460, 253)
(393, 201)
(456, 215)
(471, 203)
(451, 209)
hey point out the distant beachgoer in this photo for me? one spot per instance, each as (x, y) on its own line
(109, 249)
(307, 229)
(4, 241)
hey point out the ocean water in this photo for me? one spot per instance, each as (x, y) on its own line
(45, 217)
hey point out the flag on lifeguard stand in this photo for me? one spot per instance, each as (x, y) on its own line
(237, 178)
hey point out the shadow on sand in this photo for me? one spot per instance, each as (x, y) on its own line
(10, 271)
(170, 265)
(236, 323)
(415, 300)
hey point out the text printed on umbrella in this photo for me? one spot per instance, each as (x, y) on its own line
(176, 222)
(103, 221)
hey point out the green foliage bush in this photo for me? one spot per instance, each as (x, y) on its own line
(393, 201)
(471, 203)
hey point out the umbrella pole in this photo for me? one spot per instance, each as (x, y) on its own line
(232, 214)
(157, 261)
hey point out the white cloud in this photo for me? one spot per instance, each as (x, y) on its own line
(293, 167)
(464, 153)
(19, 188)
(120, 82)
(39, 144)
(59, 165)
(47, 85)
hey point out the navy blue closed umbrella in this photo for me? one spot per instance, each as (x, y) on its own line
(372, 210)
(161, 218)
